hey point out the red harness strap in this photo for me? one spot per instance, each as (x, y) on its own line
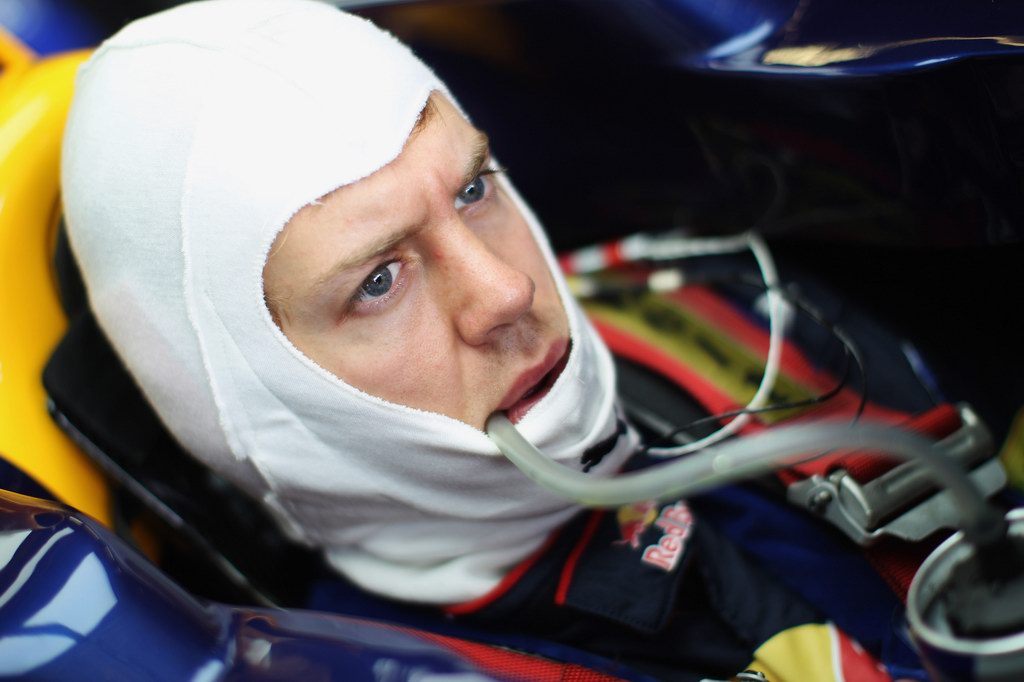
(896, 561)
(938, 422)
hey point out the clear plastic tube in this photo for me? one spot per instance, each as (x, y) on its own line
(739, 459)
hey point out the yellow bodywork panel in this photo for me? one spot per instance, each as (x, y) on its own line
(34, 101)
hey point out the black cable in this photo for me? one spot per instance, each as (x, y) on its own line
(849, 345)
(850, 352)
(774, 407)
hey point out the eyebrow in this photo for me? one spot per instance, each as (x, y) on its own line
(371, 252)
(477, 159)
(479, 154)
(427, 114)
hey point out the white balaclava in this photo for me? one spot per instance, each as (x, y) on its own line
(194, 136)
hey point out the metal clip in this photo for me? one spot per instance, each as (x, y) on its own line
(751, 676)
(904, 502)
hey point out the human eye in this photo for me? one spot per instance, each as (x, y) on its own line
(476, 191)
(379, 282)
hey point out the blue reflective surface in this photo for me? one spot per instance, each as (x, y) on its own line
(788, 37)
(827, 38)
(76, 603)
(50, 26)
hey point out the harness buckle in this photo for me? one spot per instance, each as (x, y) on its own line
(904, 502)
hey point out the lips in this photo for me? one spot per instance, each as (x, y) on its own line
(533, 384)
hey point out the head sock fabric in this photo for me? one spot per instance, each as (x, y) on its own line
(194, 136)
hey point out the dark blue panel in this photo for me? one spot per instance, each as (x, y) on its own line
(49, 26)
(77, 603)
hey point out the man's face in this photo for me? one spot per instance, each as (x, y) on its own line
(422, 284)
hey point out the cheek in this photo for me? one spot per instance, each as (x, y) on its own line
(399, 358)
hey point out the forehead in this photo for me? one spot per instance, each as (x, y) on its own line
(421, 180)
(440, 135)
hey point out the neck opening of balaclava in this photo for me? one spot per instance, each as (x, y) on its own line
(194, 136)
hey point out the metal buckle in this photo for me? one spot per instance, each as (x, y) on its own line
(904, 502)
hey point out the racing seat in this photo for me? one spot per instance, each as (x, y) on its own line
(33, 103)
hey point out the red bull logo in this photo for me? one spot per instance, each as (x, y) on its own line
(676, 522)
(633, 520)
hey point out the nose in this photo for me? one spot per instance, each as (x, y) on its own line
(488, 293)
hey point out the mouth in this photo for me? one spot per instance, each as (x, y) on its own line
(535, 383)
